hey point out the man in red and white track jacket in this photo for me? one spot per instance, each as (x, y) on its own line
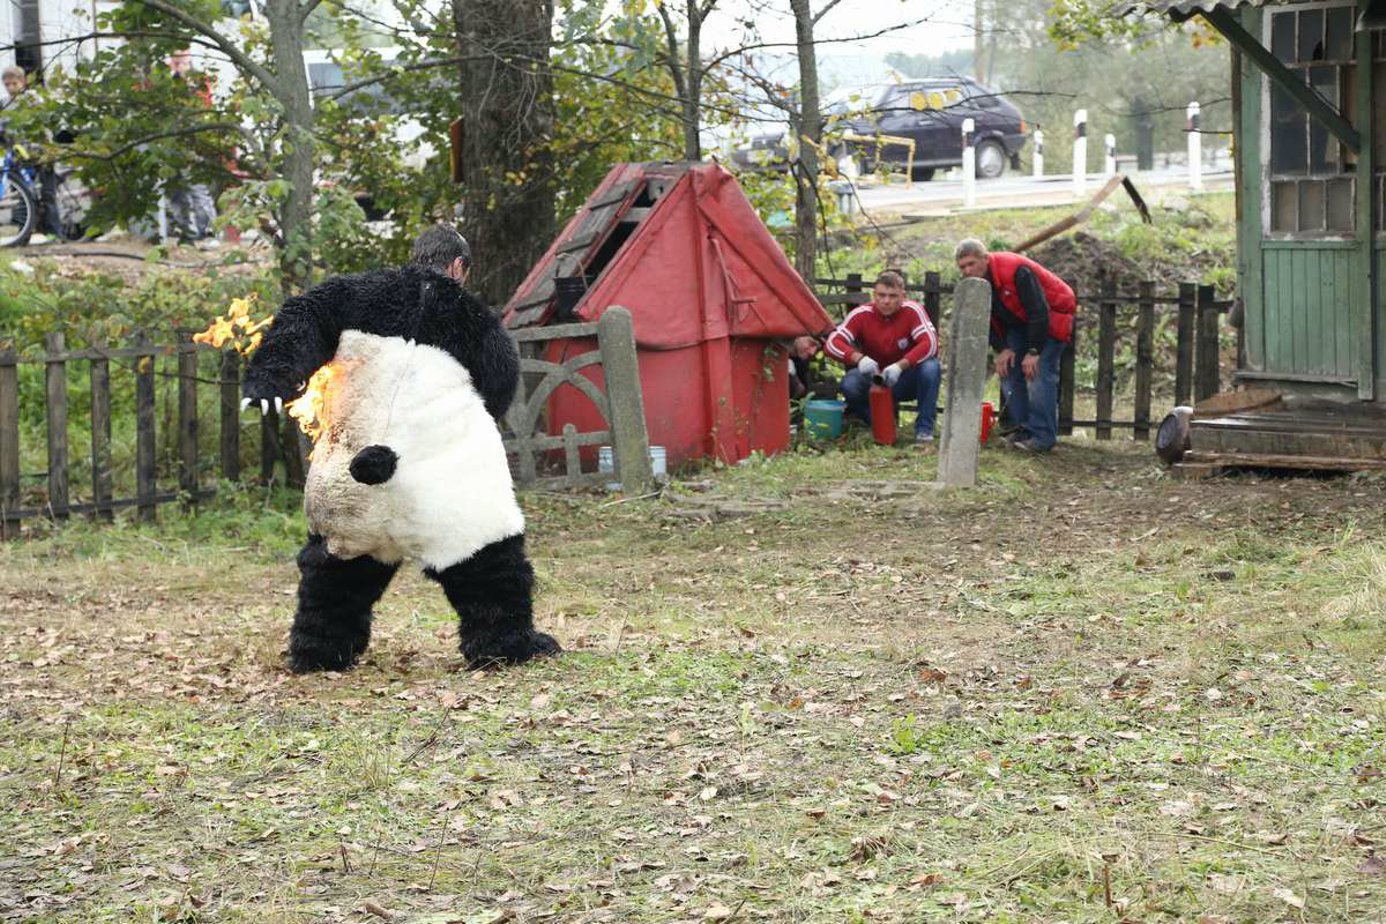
(891, 337)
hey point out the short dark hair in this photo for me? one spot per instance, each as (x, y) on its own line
(891, 280)
(438, 246)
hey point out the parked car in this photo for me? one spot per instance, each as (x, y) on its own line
(928, 111)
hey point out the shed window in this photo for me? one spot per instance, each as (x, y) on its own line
(1311, 184)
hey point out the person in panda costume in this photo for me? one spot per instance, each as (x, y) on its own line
(409, 463)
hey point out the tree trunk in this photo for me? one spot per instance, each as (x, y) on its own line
(507, 125)
(693, 90)
(810, 131)
(290, 89)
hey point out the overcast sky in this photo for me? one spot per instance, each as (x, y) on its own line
(948, 25)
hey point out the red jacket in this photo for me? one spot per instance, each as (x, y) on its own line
(1002, 265)
(907, 334)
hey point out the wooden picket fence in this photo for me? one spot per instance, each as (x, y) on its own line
(539, 460)
(1196, 359)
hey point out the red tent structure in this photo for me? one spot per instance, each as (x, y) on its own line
(713, 299)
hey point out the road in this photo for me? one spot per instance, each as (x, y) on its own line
(945, 196)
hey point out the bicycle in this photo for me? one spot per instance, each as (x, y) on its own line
(19, 203)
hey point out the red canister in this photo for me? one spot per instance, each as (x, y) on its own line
(882, 403)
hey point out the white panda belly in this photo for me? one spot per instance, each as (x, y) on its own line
(451, 492)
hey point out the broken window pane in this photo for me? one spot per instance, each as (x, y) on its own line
(1338, 35)
(1310, 44)
(1288, 133)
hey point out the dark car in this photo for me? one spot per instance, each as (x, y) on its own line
(928, 111)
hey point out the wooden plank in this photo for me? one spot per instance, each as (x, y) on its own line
(55, 378)
(1207, 372)
(145, 473)
(230, 437)
(9, 445)
(1184, 349)
(1145, 359)
(1106, 363)
(1236, 401)
(933, 302)
(102, 478)
(1250, 234)
(187, 414)
(616, 195)
(1364, 267)
(1067, 385)
(117, 503)
(1275, 460)
(621, 368)
(554, 332)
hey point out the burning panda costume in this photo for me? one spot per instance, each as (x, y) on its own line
(409, 463)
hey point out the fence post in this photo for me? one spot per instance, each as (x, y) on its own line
(9, 444)
(1145, 358)
(629, 439)
(969, 164)
(1109, 154)
(230, 415)
(853, 286)
(932, 297)
(1080, 152)
(295, 455)
(1038, 162)
(967, 376)
(1206, 376)
(187, 416)
(1192, 126)
(1106, 359)
(101, 477)
(145, 474)
(1067, 386)
(1183, 363)
(55, 377)
(269, 444)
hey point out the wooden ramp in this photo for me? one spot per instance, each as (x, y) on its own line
(1289, 433)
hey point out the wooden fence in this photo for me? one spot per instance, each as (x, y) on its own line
(1195, 361)
(280, 440)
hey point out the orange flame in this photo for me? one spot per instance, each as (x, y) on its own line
(235, 328)
(310, 408)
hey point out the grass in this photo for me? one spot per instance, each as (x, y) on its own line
(1081, 692)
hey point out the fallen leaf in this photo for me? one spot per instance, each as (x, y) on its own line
(1288, 897)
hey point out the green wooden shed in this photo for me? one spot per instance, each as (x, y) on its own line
(1308, 90)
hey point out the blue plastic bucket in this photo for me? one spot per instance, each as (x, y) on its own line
(823, 419)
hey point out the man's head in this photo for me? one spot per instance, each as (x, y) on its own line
(15, 80)
(444, 249)
(805, 347)
(889, 293)
(180, 62)
(971, 257)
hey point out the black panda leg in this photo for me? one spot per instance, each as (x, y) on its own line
(333, 623)
(493, 594)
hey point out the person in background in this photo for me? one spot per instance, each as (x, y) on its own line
(50, 219)
(190, 205)
(890, 336)
(443, 248)
(1031, 325)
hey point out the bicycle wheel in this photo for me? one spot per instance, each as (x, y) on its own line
(18, 212)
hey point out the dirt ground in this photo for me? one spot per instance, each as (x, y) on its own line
(804, 689)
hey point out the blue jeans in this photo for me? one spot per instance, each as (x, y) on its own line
(1034, 406)
(918, 382)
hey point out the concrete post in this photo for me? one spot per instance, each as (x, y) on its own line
(1039, 153)
(1080, 152)
(1191, 125)
(1109, 161)
(967, 375)
(969, 164)
(629, 438)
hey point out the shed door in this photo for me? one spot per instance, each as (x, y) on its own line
(1314, 250)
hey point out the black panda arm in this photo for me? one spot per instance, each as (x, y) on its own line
(463, 325)
(302, 337)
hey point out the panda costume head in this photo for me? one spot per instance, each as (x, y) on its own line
(409, 463)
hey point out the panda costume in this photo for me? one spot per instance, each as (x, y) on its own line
(409, 464)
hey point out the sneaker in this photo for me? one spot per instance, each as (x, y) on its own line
(1030, 445)
(39, 238)
(923, 438)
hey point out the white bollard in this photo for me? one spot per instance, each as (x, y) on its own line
(1039, 153)
(1191, 126)
(1109, 162)
(1080, 152)
(969, 164)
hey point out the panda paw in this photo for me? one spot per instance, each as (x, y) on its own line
(512, 648)
(305, 658)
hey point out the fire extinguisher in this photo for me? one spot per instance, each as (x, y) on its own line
(882, 403)
(988, 419)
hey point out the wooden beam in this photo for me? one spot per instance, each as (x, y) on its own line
(1318, 108)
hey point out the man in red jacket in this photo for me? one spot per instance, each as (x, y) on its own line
(892, 337)
(1031, 326)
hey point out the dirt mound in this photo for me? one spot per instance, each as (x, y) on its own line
(1089, 263)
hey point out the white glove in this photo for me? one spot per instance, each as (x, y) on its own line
(264, 404)
(891, 374)
(868, 366)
